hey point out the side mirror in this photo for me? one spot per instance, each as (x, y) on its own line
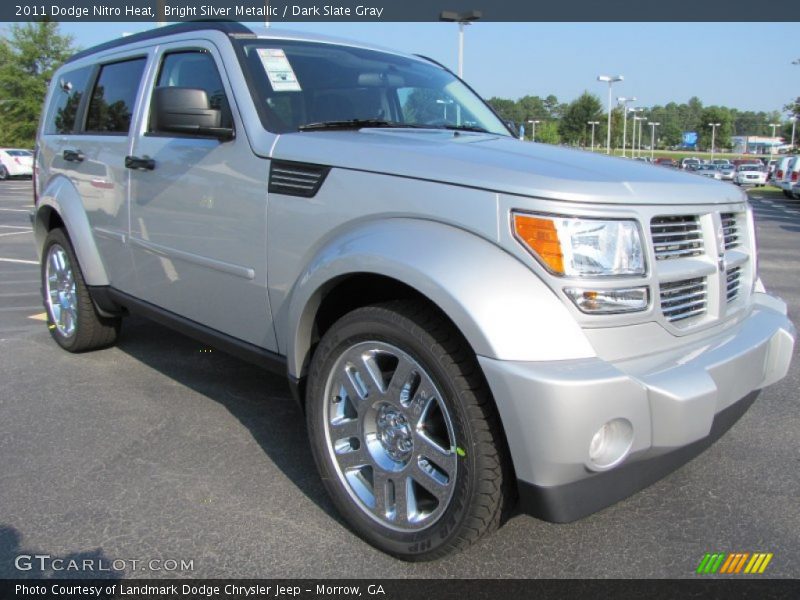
(187, 111)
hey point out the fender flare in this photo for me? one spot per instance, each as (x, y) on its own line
(500, 306)
(61, 197)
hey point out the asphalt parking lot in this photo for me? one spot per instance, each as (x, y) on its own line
(160, 449)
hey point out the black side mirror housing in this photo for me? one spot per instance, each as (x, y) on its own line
(187, 111)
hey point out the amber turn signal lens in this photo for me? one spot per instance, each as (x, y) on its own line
(541, 236)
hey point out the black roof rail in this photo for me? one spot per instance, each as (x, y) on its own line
(227, 27)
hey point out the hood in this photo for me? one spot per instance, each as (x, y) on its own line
(502, 164)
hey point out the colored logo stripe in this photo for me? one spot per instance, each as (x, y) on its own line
(734, 563)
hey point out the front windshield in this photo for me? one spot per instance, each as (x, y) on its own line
(297, 84)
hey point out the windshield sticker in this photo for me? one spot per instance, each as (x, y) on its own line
(280, 72)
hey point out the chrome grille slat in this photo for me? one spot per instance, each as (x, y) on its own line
(676, 236)
(683, 299)
(730, 230)
(732, 280)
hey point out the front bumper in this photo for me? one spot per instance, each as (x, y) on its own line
(678, 402)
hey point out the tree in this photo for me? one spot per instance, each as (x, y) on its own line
(573, 128)
(547, 132)
(722, 136)
(28, 57)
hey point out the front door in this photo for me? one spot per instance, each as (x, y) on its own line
(198, 211)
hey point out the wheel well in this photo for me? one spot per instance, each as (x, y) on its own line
(50, 219)
(356, 291)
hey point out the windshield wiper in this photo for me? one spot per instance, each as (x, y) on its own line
(352, 124)
(464, 128)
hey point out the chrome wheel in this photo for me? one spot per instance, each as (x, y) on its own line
(61, 295)
(390, 436)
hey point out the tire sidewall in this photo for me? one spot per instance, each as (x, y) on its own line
(349, 331)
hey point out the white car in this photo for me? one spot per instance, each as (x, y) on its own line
(750, 175)
(15, 162)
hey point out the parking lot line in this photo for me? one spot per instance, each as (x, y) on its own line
(19, 261)
(19, 308)
(22, 210)
(15, 233)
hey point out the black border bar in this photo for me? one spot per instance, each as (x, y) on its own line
(728, 588)
(399, 10)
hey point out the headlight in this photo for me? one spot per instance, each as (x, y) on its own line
(579, 247)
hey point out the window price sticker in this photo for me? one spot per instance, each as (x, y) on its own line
(279, 70)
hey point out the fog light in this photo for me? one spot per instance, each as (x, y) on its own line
(611, 444)
(610, 301)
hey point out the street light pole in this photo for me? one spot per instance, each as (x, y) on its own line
(772, 146)
(611, 80)
(462, 19)
(794, 123)
(713, 137)
(533, 129)
(652, 137)
(593, 123)
(639, 150)
(624, 101)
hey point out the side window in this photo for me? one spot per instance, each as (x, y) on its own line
(67, 96)
(114, 96)
(195, 69)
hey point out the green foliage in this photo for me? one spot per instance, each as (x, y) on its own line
(573, 127)
(28, 57)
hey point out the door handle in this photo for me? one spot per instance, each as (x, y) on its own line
(140, 162)
(73, 156)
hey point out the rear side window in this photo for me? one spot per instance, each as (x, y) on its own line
(66, 99)
(196, 69)
(114, 97)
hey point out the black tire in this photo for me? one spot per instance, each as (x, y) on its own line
(482, 487)
(90, 330)
(787, 194)
(3, 173)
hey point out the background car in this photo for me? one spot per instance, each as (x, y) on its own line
(750, 175)
(15, 162)
(779, 171)
(690, 163)
(708, 171)
(666, 162)
(721, 162)
(726, 172)
(790, 176)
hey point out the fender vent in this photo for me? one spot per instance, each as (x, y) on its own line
(296, 179)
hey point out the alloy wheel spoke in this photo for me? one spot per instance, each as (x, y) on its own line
(443, 458)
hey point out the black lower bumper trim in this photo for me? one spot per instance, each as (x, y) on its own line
(572, 501)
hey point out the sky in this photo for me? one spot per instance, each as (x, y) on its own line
(740, 65)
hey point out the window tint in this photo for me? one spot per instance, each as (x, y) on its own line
(67, 95)
(114, 96)
(195, 69)
(19, 153)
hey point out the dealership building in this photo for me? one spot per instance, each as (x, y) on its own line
(757, 144)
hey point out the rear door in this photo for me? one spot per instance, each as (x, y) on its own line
(198, 216)
(93, 156)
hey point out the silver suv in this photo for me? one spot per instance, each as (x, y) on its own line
(469, 321)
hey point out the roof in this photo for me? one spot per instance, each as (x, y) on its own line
(227, 27)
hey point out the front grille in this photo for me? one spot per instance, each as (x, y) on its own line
(730, 230)
(733, 276)
(676, 236)
(683, 299)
